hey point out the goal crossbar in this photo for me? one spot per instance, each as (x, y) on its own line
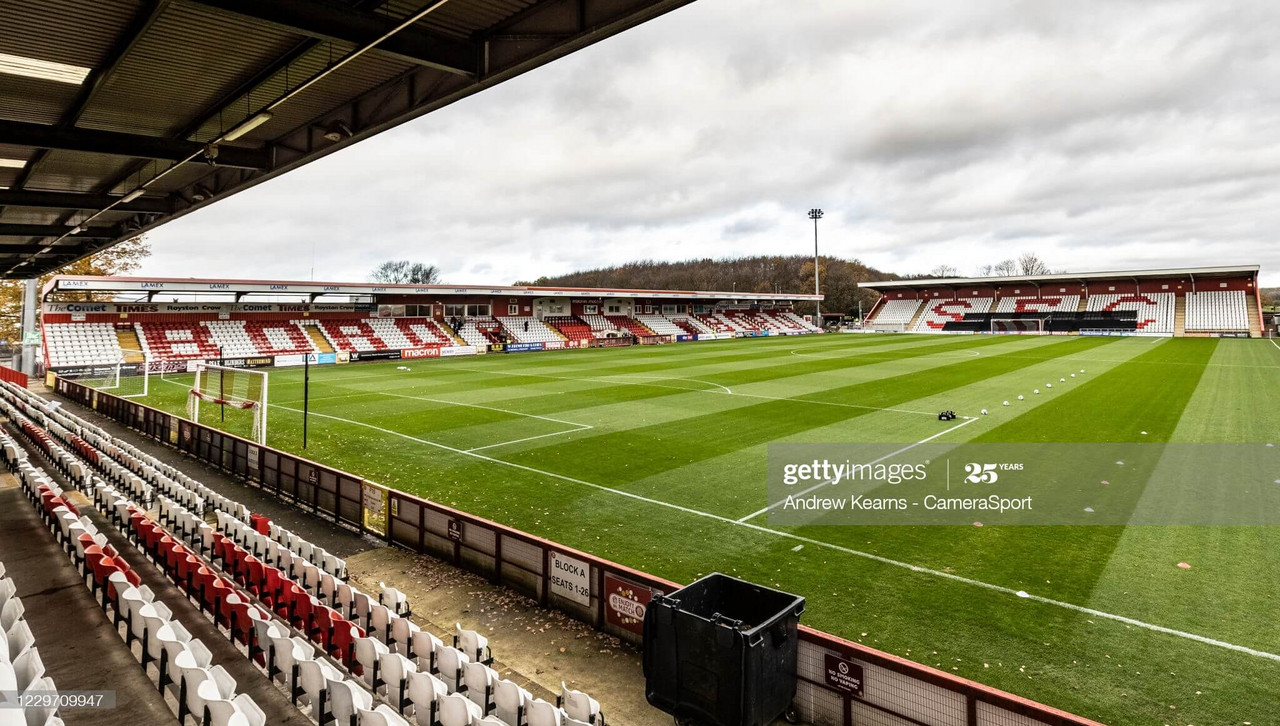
(236, 388)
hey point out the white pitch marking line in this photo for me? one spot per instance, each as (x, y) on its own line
(529, 438)
(819, 543)
(1273, 342)
(819, 485)
(487, 408)
(677, 378)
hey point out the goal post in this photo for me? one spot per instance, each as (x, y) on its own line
(128, 377)
(1018, 326)
(232, 389)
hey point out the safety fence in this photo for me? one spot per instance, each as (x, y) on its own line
(11, 376)
(839, 683)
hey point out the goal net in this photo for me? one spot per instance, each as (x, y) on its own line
(234, 392)
(128, 377)
(1018, 326)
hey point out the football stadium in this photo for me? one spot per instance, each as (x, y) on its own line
(1008, 499)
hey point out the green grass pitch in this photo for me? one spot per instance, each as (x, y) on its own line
(554, 443)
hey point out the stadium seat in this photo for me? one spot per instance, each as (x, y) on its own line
(425, 691)
(346, 700)
(472, 643)
(895, 313)
(425, 646)
(395, 600)
(313, 677)
(449, 664)
(510, 701)
(368, 653)
(1217, 311)
(457, 710)
(541, 713)
(394, 669)
(478, 680)
(383, 715)
(579, 705)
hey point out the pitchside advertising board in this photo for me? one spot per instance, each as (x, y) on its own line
(626, 602)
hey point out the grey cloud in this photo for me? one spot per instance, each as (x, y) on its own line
(1101, 133)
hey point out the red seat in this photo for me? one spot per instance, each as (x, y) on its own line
(260, 523)
(216, 599)
(202, 580)
(251, 574)
(342, 644)
(272, 583)
(240, 623)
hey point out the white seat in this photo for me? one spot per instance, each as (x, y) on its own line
(380, 621)
(403, 633)
(368, 653)
(345, 700)
(238, 711)
(397, 601)
(425, 692)
(11, 612)
(541, 713)
(475, 645)
(450, 662)
(383, 715)
(27, 668)
(360, 608)
(479, 679)
(202, 685)
(288, 653)
(578, 705)
(425, 645)
(510, 701)
(313, 675)
(394, 669)
(19, 639)
(457, 710)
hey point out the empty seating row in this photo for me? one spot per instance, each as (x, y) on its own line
(896, 312)
(529, 330)
(937, 313)
(21, 668)
(316, 601)
(479, 332)
(660, 325)
(1217, 310)
(599, 323)
(1038, 304)
(182, 663)
(629, 324)
(1155, 310)
(142, 473)
(571, 327)
(82, 344)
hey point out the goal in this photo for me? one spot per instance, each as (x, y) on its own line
(233, 390)
(1018, 326)
(128, 377)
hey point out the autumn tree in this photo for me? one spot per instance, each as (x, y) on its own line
(118, 260)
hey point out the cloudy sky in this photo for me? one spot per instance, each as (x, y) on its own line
(1103, 135)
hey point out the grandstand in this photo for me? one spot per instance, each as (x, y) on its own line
(334, 323)
(1169, 302)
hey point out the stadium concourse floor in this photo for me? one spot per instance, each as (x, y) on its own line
(533, 646)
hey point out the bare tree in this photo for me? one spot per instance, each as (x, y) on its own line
(404, 272)
(944, 271)
(1006, 268)
(1029, 263)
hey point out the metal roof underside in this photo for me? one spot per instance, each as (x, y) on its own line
(165, 80)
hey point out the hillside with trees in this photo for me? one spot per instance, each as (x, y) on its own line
(771, 274)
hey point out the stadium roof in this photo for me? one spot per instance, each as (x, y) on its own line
(119, 116)
(1227, 271)
(166, 285)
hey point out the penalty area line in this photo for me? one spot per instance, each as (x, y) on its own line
(827, 545)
